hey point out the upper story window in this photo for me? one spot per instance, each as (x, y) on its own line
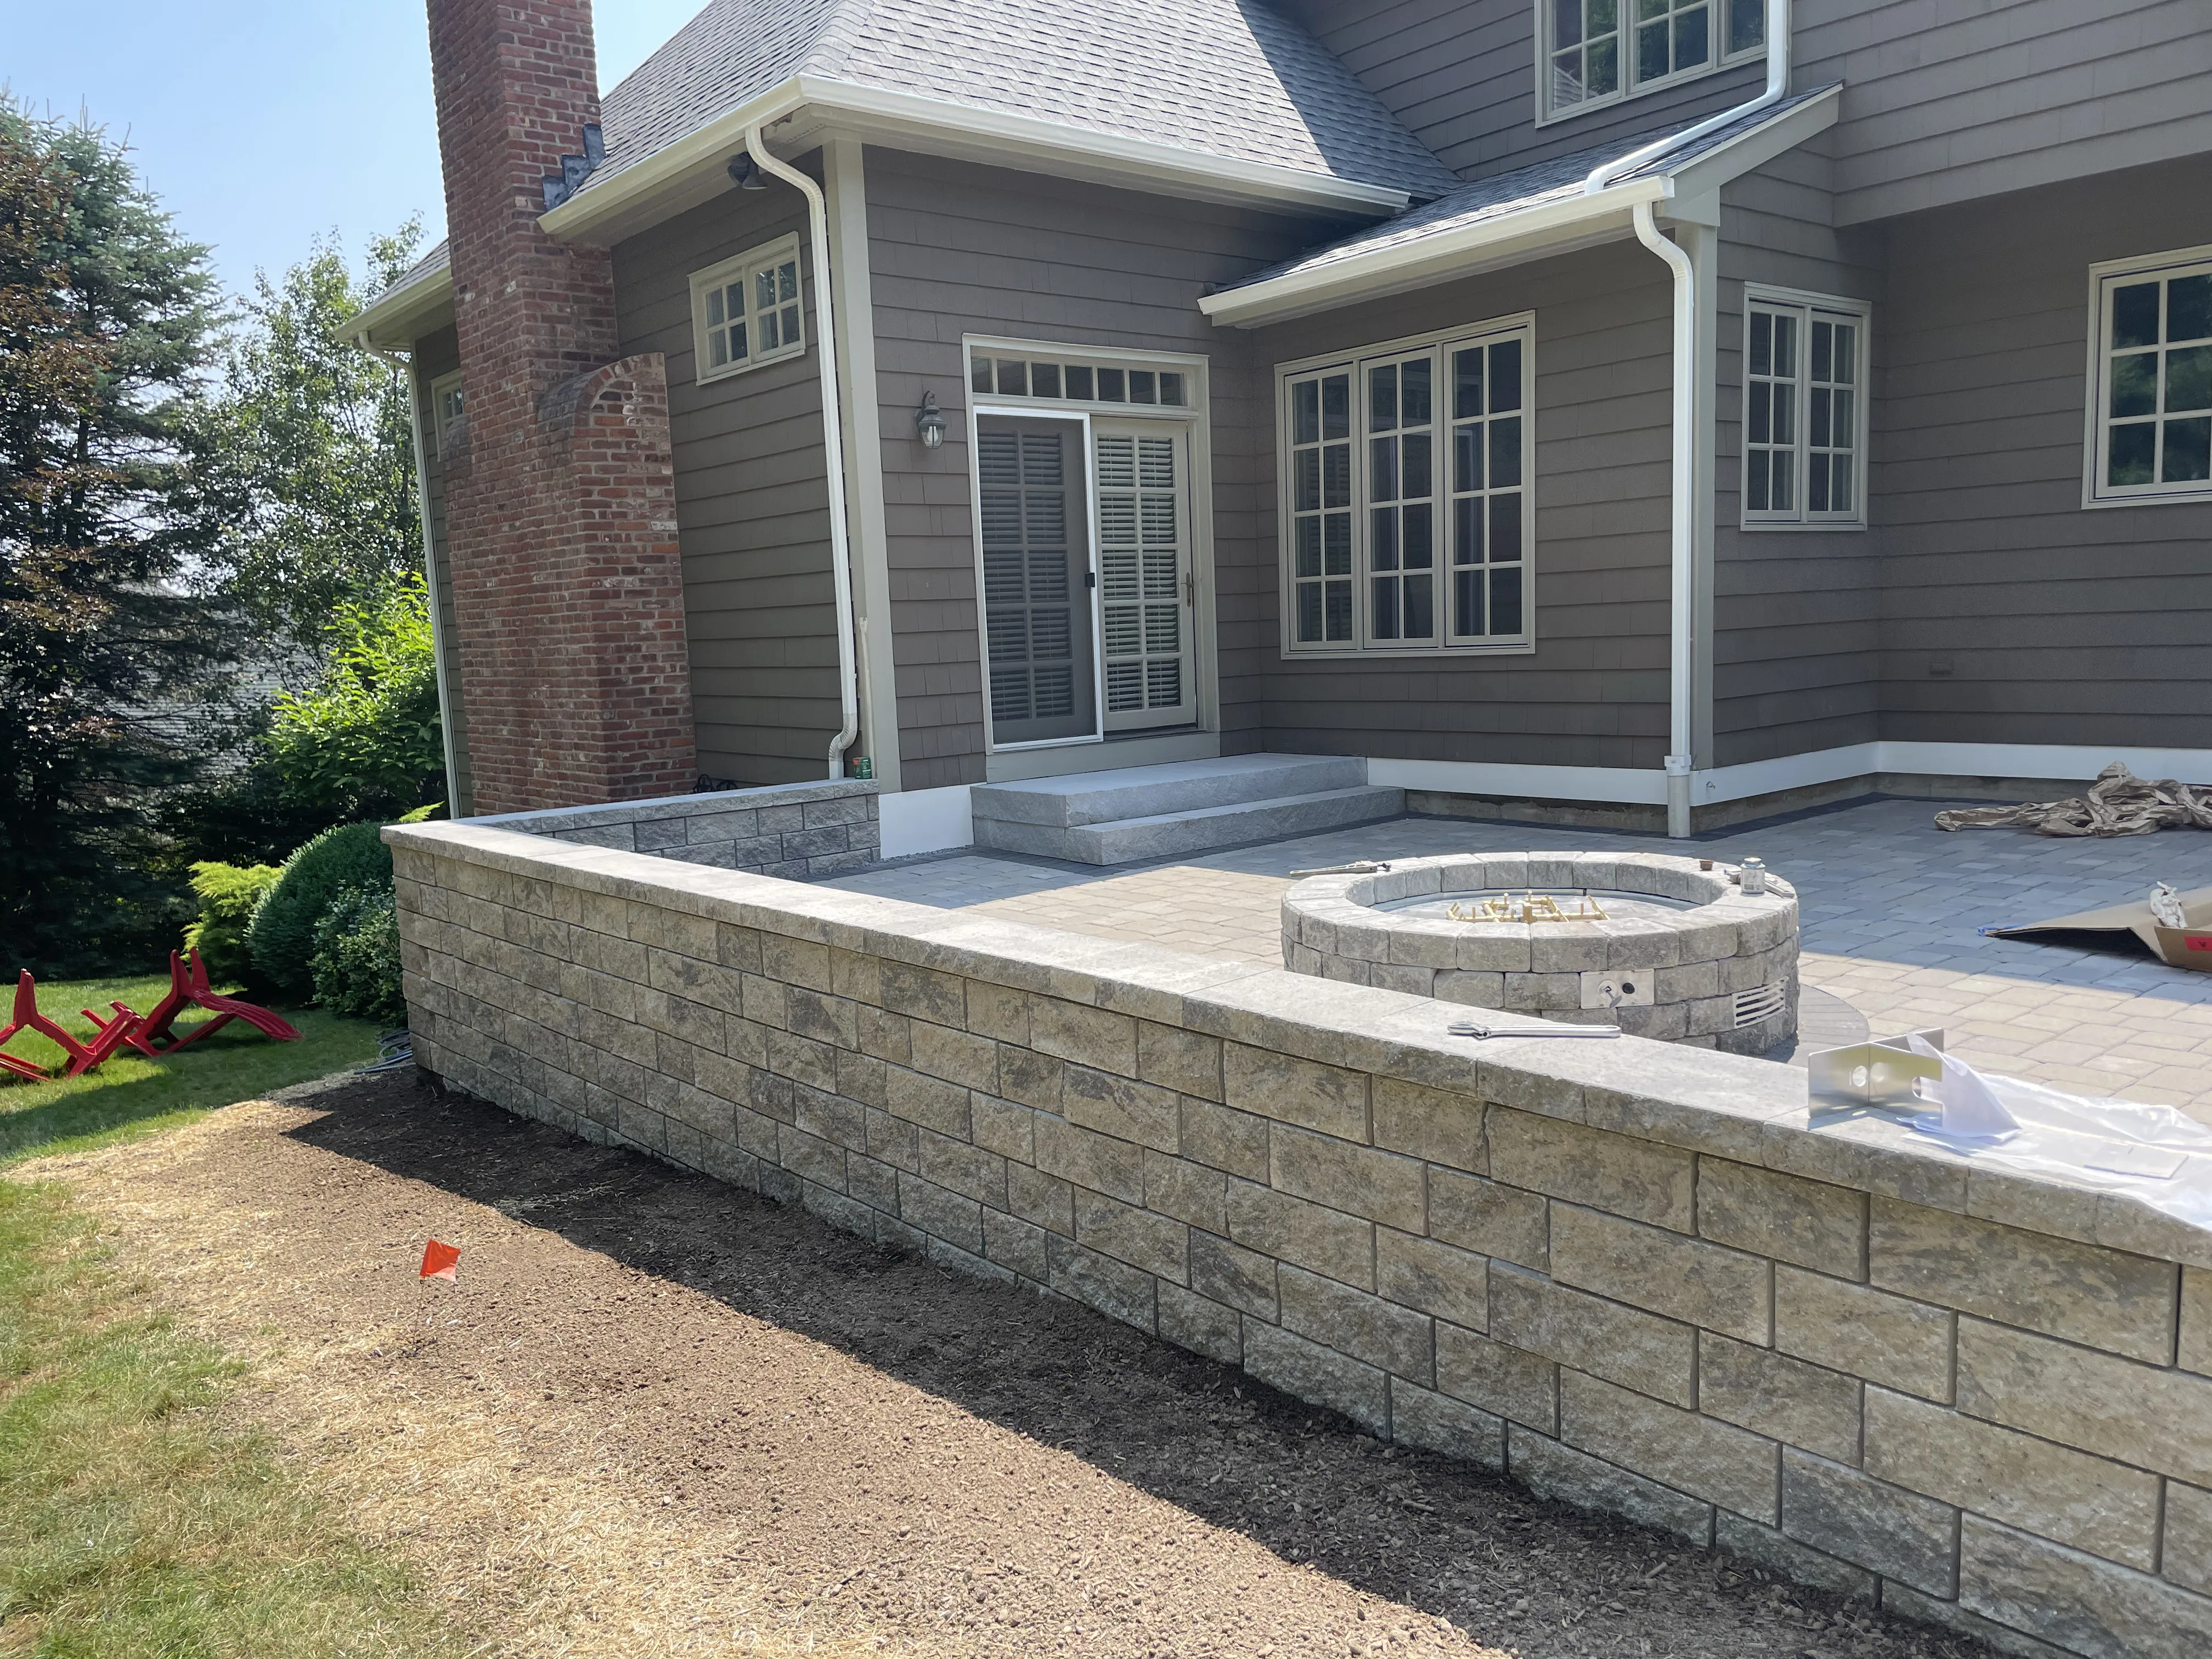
(447, 406)
(1405, 478)
(1597, 52)
(1804, 409)
(746, 312)
(2151, 405)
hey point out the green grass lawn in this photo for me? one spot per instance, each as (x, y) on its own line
(135, 1522)
(130, 1095)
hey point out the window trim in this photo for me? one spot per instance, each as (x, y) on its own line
(1629, 88)
(440, 423)
(2103, 277)
(1522, 324)
(1841, 305)
(782, 249)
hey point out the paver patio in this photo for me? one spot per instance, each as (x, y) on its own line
(1891, 909)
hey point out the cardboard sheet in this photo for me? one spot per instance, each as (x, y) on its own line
(2177, 947)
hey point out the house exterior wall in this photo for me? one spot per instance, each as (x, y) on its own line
(1796, 641)
(957, 249)
(1595, 692)
(2063, 624)
(752, 503)
(1944, 100)
(435, 355)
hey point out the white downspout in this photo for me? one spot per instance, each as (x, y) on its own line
(1683, 533)
(833, 439)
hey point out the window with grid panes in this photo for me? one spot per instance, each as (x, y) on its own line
(748, 311)
(2151, 420)
(1804, 410)
(1406, 520)
(1594, 52)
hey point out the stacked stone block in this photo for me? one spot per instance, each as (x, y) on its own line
(1631, 1274)
(798, 831)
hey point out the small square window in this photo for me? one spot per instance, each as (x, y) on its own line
(748, 311)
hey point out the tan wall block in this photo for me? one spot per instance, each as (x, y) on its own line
(1190, 1321)
(793, 961)
(1773, 1395)
(1114, 1288)
(1595, 1167)
(1016, 1244)
(1552, 1470)
(998, 1012)
(1697, 1454)
(894, 1141)
(1640, 1351)
(831, 1117)
(1706, 1284)
(1122, 1107)
(1032, 1079)
(1043, 1200)
(967, 1169)
(957, 1056)
(1500, 1378)
(940, 1214)
(2076, 1601)
(1357, 1180)
(1244, 1279)
(2154, 1419)
(1351, 1322)
(1871, 1333)
(1782, 1555)
(1190, 1192)
(2106, 1298)
(1185, 1061)
(1430, 1123)
(1490, 1218)
(931, 1102)
(1897, 1533)
(1421, 1417)
(1438, 1279)
(1001, 1127)
(1231, 1140)
(1091, 1037)
(2094, 1505)
(811, 1159)
(922, 993)
(1307, 1370)
(1326, 1099)
(2188, 1553)
(1087, 1159)
(1158, 1244)
(825, 1018)
(1292, 1229)
(2196, 1320)
(1783, 1216)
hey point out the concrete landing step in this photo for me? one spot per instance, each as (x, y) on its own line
(1197, 829)
(1133, 791)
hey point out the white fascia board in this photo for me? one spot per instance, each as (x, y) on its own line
(401, 316)
(691, 169)
(1556, 227)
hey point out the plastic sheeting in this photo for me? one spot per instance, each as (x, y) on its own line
(2118, 803)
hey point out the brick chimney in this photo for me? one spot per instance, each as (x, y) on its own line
(561, 503)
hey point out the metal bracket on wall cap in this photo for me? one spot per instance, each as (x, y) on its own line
(1879, 1072)
(1468, 1028)
(1363, 867)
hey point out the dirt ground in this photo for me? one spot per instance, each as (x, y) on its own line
(657, 1416)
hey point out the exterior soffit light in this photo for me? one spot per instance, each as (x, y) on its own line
(929, 423)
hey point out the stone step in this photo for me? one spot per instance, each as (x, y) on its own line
(1200, 830)
(1133, 791)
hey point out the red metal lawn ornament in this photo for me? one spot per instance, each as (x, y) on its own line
(151, 1033)
(81, 1056)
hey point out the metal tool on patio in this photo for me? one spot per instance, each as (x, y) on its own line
(1879, 1072)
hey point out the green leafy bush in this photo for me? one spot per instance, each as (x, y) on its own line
(228, 894)
(282, 937)
(365, 740)
(356, 961)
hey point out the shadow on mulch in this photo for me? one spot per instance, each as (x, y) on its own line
(1431, 1532)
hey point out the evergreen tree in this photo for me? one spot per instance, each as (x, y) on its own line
(106, 318)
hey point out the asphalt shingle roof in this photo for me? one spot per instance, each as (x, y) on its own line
(1501, 194)
(1229, 78)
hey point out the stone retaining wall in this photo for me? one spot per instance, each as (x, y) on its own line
(1631, 1274)
(800, 831)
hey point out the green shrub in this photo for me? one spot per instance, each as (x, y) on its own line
(228, 894)
(282, 937)
(357, 963)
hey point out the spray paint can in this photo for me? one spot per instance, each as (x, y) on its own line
(1754, 876)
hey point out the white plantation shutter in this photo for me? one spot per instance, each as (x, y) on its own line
(1035, 620)
(1144, 558)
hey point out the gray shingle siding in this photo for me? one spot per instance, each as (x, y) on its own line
(752, 503)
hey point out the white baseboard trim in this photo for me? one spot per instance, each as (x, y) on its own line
(926, 821)
(1626, 785)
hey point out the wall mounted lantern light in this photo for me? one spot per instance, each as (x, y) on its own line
(929, 423)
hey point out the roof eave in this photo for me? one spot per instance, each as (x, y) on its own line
(1555, 228)
(402, 315)
(691, 169)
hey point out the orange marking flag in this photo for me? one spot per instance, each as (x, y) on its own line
(439, 1260)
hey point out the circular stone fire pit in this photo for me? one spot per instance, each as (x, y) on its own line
(1683, 954)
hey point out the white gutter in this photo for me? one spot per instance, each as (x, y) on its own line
(833, 438)
(1778, 85)
(1683, 529)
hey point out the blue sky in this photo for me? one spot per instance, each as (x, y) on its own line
(264, 123)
